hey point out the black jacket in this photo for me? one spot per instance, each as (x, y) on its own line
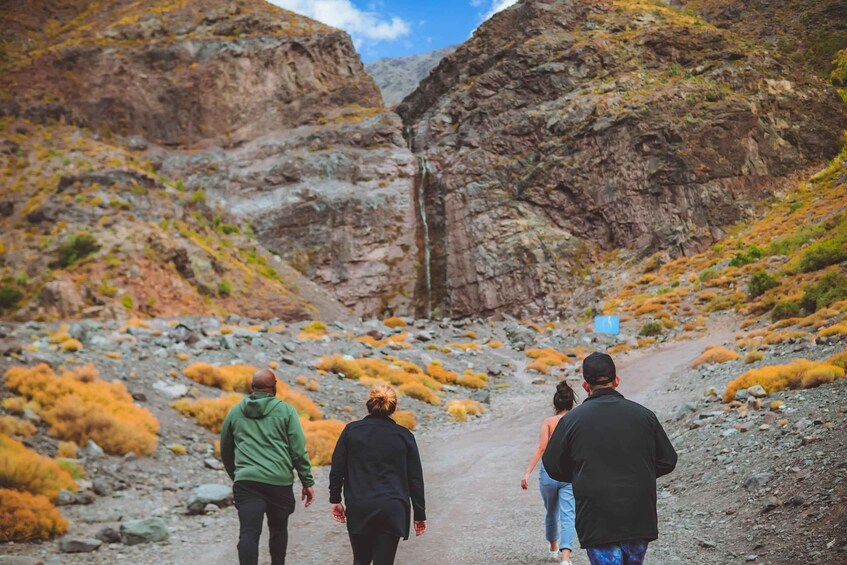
(612, 450)
(376, 462)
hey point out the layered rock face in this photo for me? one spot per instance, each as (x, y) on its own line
(563, 129)
(810, 33)
(269, 113)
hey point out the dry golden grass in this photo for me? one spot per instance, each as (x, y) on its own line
(620, 348)
(79, 406)
(715, 354)
(225, 377)
(395, 322)
(461, 409)
(178, 449)
(370, 371)
(25, 517)
(313, 385)
(772, 338)
(461, 346)
(753, 356)
(12, 426)
(839, 359)
(208, 412)
(837, 329)
(441, 374)
(801, 373)
(23, 469)
(321, 437)
(314, 330)
(71, 346)
(494, 344)
(301, 403)
(420, 392)
(471, 379)
(405, 418)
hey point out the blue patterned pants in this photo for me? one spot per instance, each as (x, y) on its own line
(626, 553)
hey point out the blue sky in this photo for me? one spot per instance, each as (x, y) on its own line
(396, 28)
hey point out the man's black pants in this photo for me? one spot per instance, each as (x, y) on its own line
(253, 500)
(376, 547)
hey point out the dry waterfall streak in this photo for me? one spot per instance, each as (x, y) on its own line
(421, 188)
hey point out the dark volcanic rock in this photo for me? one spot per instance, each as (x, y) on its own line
(563, 128)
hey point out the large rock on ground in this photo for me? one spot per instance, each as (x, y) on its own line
(565, 129)
(219, 495)
(148, 530)
(79, 545)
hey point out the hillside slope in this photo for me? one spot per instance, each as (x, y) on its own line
(565, 128)
(397, 77)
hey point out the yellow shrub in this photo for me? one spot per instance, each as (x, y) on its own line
(225, 377)
(620, 348)
(441, 374)
(67, 450)
(71, 346)
(748, 323)
(647, 309)
(821, 374)
(773, 338)
(371, 382)
(753, 356)
(461, 409)
(301, 403)
(395, 322)
(470, 334)
(23, 469)
(313, 385)
(301, 380)
(276, 329)
(462, 346)
(11, 426)
(183, 356)
(113, 355)
(208, 412)
(59, 336)
(24, 517)
(420, 392)
(539, 366)
(321, 437)
(773, 378)
(549, 357)
(314, 330)
(405, 418)
(494, 344)
(339, 364)
(715, 355)
(178, 449)
(839, 360)
(837, 329)
(78, 406)
(471, 379)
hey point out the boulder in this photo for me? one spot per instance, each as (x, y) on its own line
(219, 495)
(148, 530)
(171, 391)
(108, 534)
(79, 545)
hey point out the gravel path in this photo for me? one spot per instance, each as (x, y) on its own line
(477, 511)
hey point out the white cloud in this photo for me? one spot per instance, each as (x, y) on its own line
(496, 6)
(361, 25)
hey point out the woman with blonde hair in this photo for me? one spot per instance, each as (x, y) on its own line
(377, 465)
(560, 527)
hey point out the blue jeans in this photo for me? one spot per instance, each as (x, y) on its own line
(624, 553)
(561, 510)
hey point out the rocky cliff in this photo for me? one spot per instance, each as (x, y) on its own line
(268, 114)
(397, 77)
(563, 130)
(809, 33)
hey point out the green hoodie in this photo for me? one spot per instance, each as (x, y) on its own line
(262, 440)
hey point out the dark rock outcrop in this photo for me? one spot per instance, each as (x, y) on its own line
(565, 129)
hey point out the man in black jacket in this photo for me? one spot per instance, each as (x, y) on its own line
(612, 450)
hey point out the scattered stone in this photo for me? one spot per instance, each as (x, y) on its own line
(172, 391)
(708, 544)
(757, 391)
(221, 495)
(751, 557)
(741, 394)
(289, 360)
(108, 534)
(756, 482)
(148, 530)
(85, 497)
(101, 487)
(211, 509)
(65, 498)
(769, 503)
(79, 545)
(93, 450)
(795, 501)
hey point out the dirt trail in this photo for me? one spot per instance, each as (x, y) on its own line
(476, 509)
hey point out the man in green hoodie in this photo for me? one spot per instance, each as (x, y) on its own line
(262, 445)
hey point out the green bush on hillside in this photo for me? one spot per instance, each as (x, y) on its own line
(76, 248)
(9, 297)
(707, 275)
(761, 282)
(224, 288)
(651, 329)
(839, 71)
(831, 288)
(823, 254)
(785, 309)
